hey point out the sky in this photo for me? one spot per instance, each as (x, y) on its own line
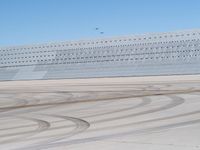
(41, 21)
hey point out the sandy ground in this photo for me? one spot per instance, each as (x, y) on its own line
(138, 113)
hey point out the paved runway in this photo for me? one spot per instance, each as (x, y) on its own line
(140, 113)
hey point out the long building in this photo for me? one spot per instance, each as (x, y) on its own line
(169, 53)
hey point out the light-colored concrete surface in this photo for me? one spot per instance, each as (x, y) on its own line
(143, 113)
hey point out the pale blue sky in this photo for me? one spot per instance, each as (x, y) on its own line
(41, 21)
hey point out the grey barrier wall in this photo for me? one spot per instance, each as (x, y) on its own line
(140, 55)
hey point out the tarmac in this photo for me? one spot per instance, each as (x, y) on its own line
(127, 113)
